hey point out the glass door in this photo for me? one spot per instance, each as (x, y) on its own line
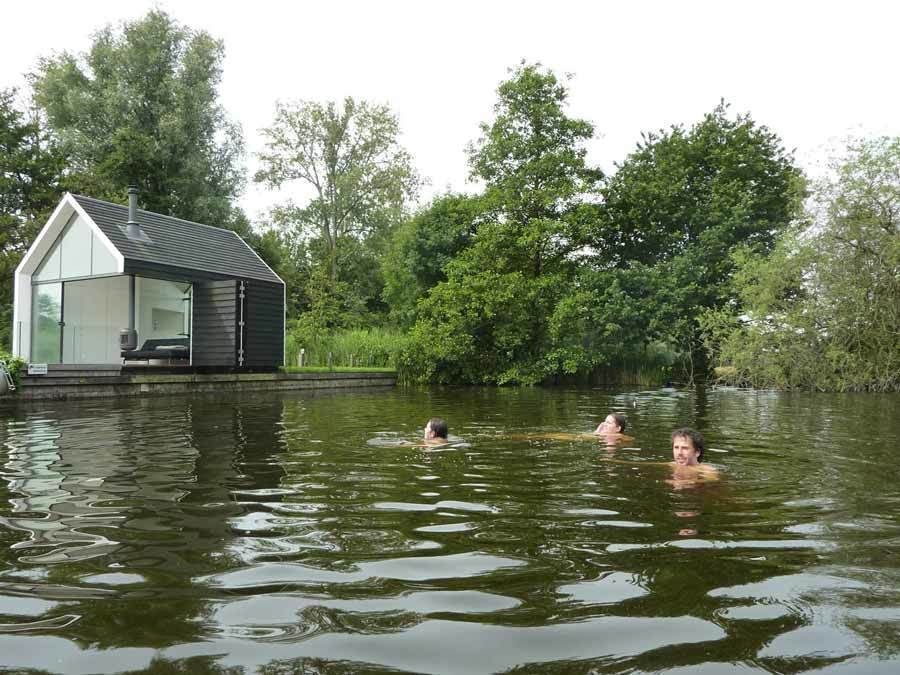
(47, 324)
(95, 310)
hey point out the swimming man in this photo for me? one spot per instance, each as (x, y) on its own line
(688, 447)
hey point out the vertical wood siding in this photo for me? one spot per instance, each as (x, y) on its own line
(263, 324)
(214, 328)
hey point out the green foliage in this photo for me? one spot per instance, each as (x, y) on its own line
(13, 365)
(556, 282)
(31, 167)
(489, 321)
(422, 247)
(532, 161)
(609, 315)
(481, 331)
(360, 179)
(338, 369)
(288, 257)
(650, 365)
(681, 204)
(823, 312)
(321, 304)
(760, 341)
(140, 107)
(699, 192)
(350, 158)
(370, 348)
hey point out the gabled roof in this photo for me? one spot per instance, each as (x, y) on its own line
(177, 243)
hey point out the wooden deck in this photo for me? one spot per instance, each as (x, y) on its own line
(98, 381)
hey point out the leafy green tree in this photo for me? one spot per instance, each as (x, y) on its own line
(288, 255)
(489, 321)
(722, 182)
(606, 317)
(349, 157)
(31, 168)
(768, 338)
(532, 161)
(823, 311)
(141, 107)
(680, 205)
(421, 248)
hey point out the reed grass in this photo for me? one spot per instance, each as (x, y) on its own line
(354, 349)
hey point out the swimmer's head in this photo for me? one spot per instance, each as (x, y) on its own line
(687, 444)
(436, 428)
(613, 424)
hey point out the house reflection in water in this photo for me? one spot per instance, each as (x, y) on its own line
(134, 496)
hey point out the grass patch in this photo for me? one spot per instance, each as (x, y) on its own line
(337, 369)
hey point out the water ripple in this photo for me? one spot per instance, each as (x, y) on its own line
(411, 569)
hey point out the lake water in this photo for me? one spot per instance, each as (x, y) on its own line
(286, 533)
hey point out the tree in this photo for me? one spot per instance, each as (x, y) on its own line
(30, 172)
(722, 182)
(823, 312)
(683, 202)
(421, 248)
(349, 157)
(490, 320)
(532, 161)
(141, 107)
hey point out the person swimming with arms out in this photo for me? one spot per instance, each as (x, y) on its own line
(610, 431)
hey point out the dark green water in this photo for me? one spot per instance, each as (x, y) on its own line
(266, 534)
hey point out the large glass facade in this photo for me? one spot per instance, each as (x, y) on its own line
(80, 304)
(77, 253)
(78, 321)
(46, 328)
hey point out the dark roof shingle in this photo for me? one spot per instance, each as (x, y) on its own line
(177, 242)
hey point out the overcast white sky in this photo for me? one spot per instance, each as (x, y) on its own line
(813, 72)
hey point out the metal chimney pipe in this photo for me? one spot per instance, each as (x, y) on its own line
(128, 336)
(132, 204)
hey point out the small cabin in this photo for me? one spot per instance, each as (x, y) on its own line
(106, 283)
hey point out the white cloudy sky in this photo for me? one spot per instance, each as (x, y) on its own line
(814, 72)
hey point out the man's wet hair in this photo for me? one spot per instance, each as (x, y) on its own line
(438, 426)
(621, 420)
(696, 438)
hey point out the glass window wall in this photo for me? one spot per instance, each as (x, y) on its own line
(49, 269)
(77, 253)
(102, 261)
(46, 329)
(75, 247)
